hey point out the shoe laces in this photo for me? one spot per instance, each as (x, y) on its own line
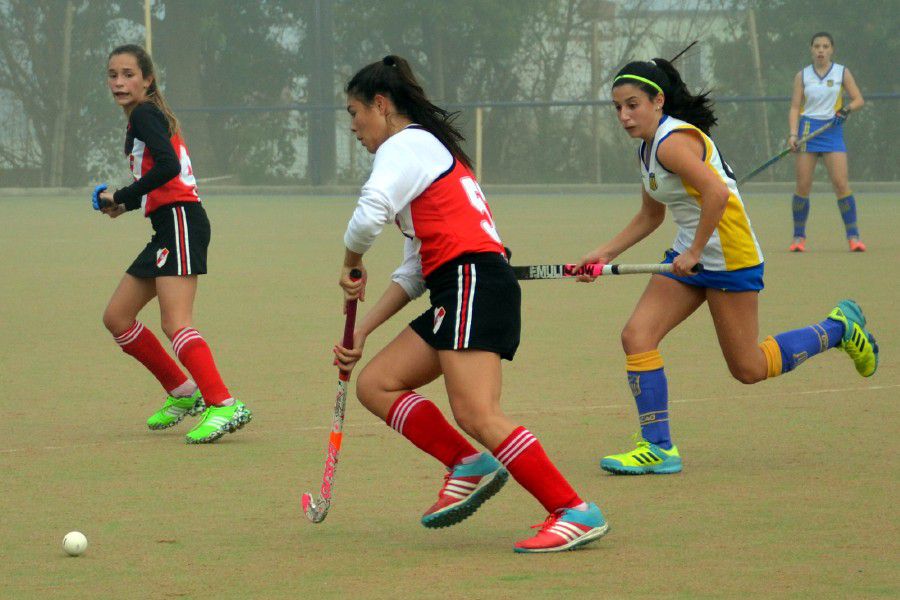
(549, 522)
(447, 477)
(639, 441)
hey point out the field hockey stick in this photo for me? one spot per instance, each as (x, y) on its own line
(316, 510)
(562, 271)
(784, 153)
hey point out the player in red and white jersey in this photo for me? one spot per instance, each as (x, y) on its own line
(168, 266)
(421, 180)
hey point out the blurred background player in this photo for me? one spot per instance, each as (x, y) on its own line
(421, 179)
(682, 170)
(816, 101)
(167, 268)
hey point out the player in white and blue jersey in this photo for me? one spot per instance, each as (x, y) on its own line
(683, 171)
(817, 102)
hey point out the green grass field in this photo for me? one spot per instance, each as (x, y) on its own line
(789, 487)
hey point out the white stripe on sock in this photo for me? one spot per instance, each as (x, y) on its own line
(130, 335)
(516, 447)
(183, 338)
(399, 419)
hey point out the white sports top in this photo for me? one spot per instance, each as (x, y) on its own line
(822, 96)
(733, 244)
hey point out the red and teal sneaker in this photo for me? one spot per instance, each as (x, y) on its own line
(466, 487)
(566, 530)
(175, 409)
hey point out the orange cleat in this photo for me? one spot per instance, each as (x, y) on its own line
(856, 245)
(798, 245)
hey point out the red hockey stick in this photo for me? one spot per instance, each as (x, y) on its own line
(317, 510)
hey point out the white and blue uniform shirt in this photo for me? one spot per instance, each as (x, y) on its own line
(733, 244)
(822, 96)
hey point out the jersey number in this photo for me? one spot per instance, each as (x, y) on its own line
(187, 171)
(476, 199)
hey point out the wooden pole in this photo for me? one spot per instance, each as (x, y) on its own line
(148, 27)
(760, 87)
(57, 160)
(479, 143)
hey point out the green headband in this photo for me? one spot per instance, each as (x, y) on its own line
(639, 78)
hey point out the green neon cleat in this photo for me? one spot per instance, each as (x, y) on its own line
(858, 342)
(217, 421)
(175, 409)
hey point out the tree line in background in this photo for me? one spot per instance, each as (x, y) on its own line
(269, 55)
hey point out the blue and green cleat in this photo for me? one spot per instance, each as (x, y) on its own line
(858, 342)
(647, 458)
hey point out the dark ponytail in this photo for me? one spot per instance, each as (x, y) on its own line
(393, 77)
(679, 102)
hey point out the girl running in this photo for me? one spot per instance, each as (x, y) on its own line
(421, 179)
(167, 268)
(682, 170)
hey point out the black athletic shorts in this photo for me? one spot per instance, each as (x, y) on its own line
(178, 246)
(475, 304)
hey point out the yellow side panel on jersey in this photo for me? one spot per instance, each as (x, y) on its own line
(839, 102)
(737, 240)
(735, 235)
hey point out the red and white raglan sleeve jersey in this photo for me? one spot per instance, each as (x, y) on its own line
(159, 163)
(434, 200)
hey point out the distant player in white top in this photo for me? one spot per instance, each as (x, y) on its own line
(683, 171)
(422, 181)
(817, 102)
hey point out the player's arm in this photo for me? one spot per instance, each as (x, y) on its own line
(794, 112)
(856, 98)
(682, 153)
(149, 125)
(398, 176)
(646, 221)
(390, 303)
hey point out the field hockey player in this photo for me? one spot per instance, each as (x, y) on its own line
(421, 179)
(168, 267)
(683, 171)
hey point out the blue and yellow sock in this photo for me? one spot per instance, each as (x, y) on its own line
(647, 380)
(786, 351)
(847, 206)
(800, 206)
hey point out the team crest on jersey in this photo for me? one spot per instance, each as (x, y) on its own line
(161, 255)
(653, 184)
(830, 83)
(439, 314)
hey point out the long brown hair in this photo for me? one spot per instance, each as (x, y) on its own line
(393, 77)
(154, 94)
